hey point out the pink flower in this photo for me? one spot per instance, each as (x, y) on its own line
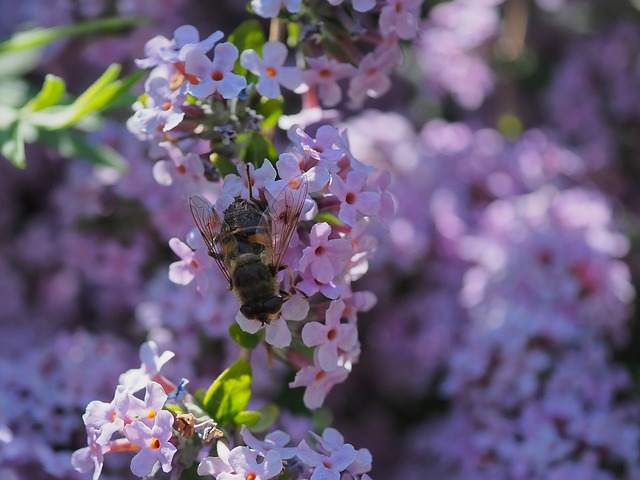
(238, 185)
(270, 70)
(358, 5)
(154, 443)
(352, 199)
(192, 264)
(161, 50)
(107, 418)
(318, 383)
(137, 378)
(271, 8)
(90, 457)
(207, 77)
(323, 149)
(272, 441)
(186, 171)
(244, 463)
(146, 410)
(330, 338)
(324, 73)
(400, 17)
(324, 257)
(329, 466)
(372, 78)
(289, 169)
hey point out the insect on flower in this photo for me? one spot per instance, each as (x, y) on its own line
(248, 242)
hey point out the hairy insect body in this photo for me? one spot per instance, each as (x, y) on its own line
(248, 242)
(253, 279)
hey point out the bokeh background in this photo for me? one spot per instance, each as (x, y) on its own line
(504, 344)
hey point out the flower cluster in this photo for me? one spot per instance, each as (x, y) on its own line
(151, 427)
(328, 456)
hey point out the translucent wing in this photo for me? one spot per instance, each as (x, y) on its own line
(212, 227)
(282, 213)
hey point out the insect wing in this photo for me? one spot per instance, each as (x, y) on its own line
(283, 213)
(211, 225)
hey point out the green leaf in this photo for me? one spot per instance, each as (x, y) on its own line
(12, 145)
(51, 92)
(268, 416)
(99, 95)
(248, 35)
(271, 110)
(39, 37)
(244, 339)
(71, 144)
(224, 165)
(229, 394)
(257, 148)
(248, 418)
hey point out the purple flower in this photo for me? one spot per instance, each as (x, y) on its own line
(161, 50)
(90, 457)
(400, 17)
(353, 199)
(192, 264)
(358, 5)
(273, 441)
(325, 257)
(330, 338)
(244, 463)
(108, 418)
(323, 148)
(324, 72)
(327, 466)
(372, 78)
(318, 383)
(270, 70)
(147, 410)
(152, 362)
(154, 443)
(271, 8)
(162, 108)
(207, 77)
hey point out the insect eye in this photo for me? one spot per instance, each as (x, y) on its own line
(273, 305)
(248, 312)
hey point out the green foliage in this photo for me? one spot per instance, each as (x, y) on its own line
(248, 34)
(271, 110)
(27, 116)
(268, 415)
(228, 396)
(244, 339)
(256, 147)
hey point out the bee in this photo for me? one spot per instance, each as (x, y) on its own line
(248, 242)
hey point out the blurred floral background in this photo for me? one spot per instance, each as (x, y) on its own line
(504, 342)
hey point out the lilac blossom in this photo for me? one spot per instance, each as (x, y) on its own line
(324, 257)
(271, 8)
(161, 50)
(358, 5)
(322, 149)
(353, 198)
(108, 418)
(154, 443)
(329, 465)
(90, 457)
(400, 17)
(331, 338)
(270, 70)
(207, 77)
(275, 440)
(372, 78)
(152, 360)
(324, 73)
(146, 410)
(318, 383)
(162, 108)
(193, 264)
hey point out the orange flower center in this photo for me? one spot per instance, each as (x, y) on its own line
(217, 76)
(155, 443)
(332, 334)
(324, 73)
(251, 476)
(271, 72)
(181, 169)
(350, 198)
(152, 413)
